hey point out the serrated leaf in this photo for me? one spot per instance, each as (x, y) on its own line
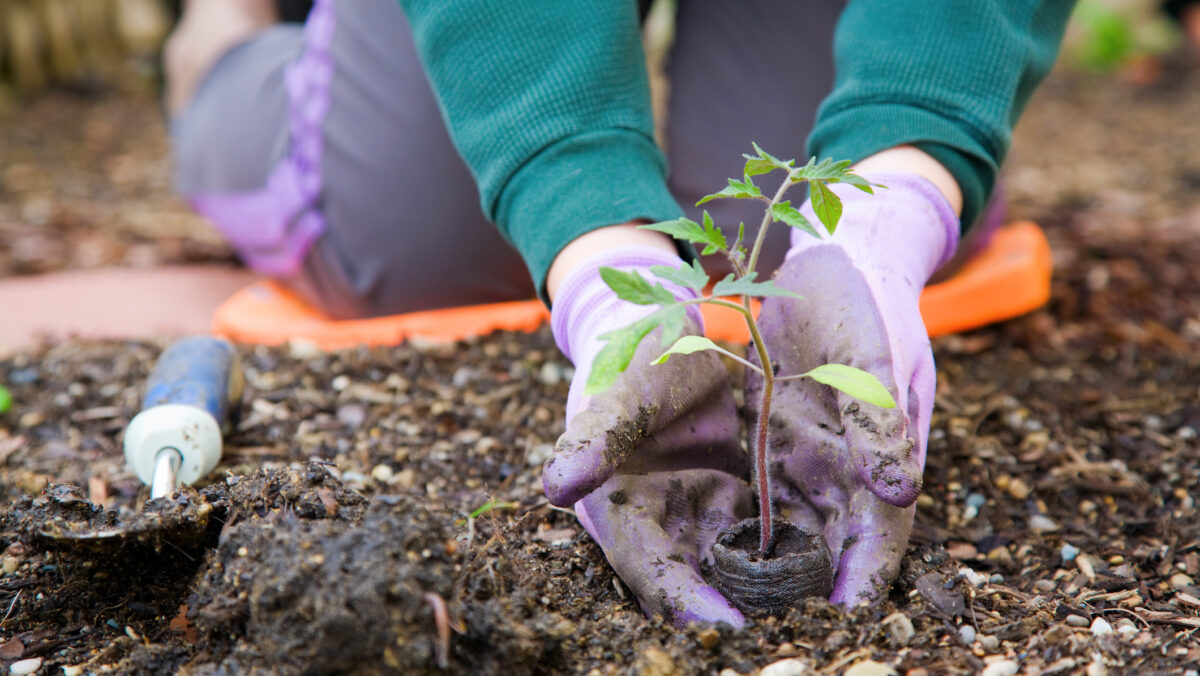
(746, 286)
(688, 276)
(860, 183)
(764, 163)
(784, 212)
(825, 170)
(826, 204)
(854, 382)
(633, 287)
(690, 231)
(614, 357)
(735, 190)
(687, 345)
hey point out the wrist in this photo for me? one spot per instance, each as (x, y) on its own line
(579, 250)
(911, 160)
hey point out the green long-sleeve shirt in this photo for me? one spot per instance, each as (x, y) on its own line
(549, 105)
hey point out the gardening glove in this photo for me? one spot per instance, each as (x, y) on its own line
(840, 466)
(651, 464)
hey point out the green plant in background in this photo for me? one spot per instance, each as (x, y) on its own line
(1105, 34)
(742, 282)
(5, 400)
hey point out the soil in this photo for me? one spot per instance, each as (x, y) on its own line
(380, 510)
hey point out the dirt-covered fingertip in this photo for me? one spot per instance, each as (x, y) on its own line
(567, 477)
(898, 484)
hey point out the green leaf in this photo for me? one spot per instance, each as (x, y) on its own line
(614, 357)
(786, 213)
(764, 163)
(633, 287)
(826, 204)
(746, 286)
(854, 382)
(5, 399)
(736, 190)
(687, 345)
(690, 231)
(688, 276)
(825, 170)
(860, 183)
(489, 506)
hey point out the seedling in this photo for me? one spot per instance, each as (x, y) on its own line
(741, 283)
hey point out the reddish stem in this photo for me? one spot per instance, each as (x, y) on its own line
(766, 528)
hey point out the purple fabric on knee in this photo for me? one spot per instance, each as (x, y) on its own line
(274, 227)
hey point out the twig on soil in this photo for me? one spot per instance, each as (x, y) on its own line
(1127, 611)
(836, 666)
(441, 618)
(10, 607)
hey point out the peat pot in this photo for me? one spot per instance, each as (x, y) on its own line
(797, 567)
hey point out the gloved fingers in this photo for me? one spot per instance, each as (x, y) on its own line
(875, 542)
(680, 415)
(660, 565)
(885, 452)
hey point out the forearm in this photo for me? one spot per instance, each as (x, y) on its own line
(548, 103)
(946, 77)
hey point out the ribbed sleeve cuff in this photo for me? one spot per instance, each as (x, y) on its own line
(859, 132)
(581, 183)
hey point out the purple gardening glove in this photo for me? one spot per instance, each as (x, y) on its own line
(840, 466)
(650, 464)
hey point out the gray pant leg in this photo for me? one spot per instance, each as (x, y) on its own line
(404, 229)
(753, 70)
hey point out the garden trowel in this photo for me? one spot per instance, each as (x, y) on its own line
(191, 394)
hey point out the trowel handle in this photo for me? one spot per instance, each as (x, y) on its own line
(195, 385)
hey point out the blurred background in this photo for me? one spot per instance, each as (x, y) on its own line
(85, 173)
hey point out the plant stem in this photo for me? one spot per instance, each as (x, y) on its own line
(765, 518)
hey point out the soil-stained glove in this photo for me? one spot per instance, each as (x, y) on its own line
(650, 464)
(840, 466)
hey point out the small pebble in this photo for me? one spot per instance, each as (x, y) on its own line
(536, 455)
(11, 564)
(976, 500)
(381, 473)
(1068, 552)
(1060, 666)
(1178, 580)
(1101, 627)
(1127, 631)
(1096, 668)
(1044, 586)
(1116, 560)
(1040, 523)
(996, 578)
(1077, 621)
(28, 666)
(728, 672)
(551, 373)
(973, 578)
(925, 501)
(709, 638)
(900, 627)
(869, 668)
(966, 634)
(1018, 489)
(789, 667)
(990, 643)
(1001, 668)
(340, 383)
(72, 670)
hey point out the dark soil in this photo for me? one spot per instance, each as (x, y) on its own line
(341, 518)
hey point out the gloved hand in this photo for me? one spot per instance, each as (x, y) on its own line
(841, 466)
(651, 464)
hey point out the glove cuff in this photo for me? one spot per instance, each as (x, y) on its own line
(586, 307)
(918, 225)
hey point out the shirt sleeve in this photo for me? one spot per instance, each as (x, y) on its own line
(548, 103)
(948, 76)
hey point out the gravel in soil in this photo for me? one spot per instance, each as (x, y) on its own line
(380, 510)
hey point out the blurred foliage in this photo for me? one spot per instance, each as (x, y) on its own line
(1106, 35)
(79, 42)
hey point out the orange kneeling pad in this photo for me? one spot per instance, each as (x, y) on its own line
(1008, 278)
